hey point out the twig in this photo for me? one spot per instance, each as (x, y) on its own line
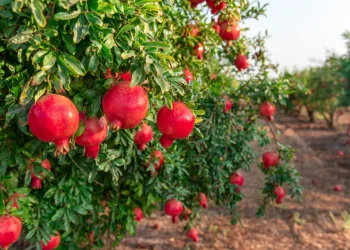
(273, 133)
(84, 171)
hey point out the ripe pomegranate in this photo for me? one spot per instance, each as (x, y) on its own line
(124, 106)
(14, 198)
(187, 213)
(279, 192)
(228, 105)
(267, 109)
(237, 178)
(199, 51)
(229, 30)
(270, 159)
(138, 213)
(53, 243)
(194, 3)
(54, 118)
(241, 62)
(10, 230)
(215, 8)
(192, 30)
(188, 75)
(173, 208)
(37, 183)
(94, 134)
(157, 159)
(126, 76)
(216, 27)
(176, 123)
(203, 201)
(337, 188)
(143, 136)
(193, 234)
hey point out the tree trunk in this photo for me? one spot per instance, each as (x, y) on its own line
(310, 113)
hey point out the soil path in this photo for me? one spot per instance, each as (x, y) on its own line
(315, 223)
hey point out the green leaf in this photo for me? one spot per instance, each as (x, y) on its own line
(21, 37)
(38, 78)
(66, 15)
(178, 88)
(146, 1)
(81, 129)
(138, 76)
(164, 56)
(128, 54)
(49, 61)
(119, 162)
(37, 9)
(49, 193)
(30, 234)
(80, 29)
(106, 53)
(93, 63)
(94, 19)
(72, 216)
(129, 26)
(68, 42)
(58, 214)
(72, 64)
(24, 191)
(107, 8)
(156, 44)
(5, 2)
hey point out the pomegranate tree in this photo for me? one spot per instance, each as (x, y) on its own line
(10, 230)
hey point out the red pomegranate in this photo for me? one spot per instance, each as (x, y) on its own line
(124, 106)
(340, 153)
(216, 27)
(94, 134)
(279, 192)
(187, 213)
(194, 3)
(237, 178)
(126, 76)
(37, 183)
(14, 198)
(199, 51)
(203, 201)
(228, 105)
(215, 8)
(267, 109)
(54, 118)
(138, 213)
(229, 30)
(241, 62)
(337, 188)
(192, 30)
(53, 243)
(193, 234)
(157, 159)
(143, 136)
(270, 159)
(188, 75)
(173, 208)
(213, 76)
(176, 123)
(10, 230)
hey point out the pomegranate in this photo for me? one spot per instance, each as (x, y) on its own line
(241, 62)
(53, 243)
(54, 118)
(267, 109)
(279, 192)
(94, 134)
(194, 3)
(337, 188)
(229, 30)
(187, 213)
(14, 198)
(176, 123)
(192, 30)
(126, 76)
(157, 159)
(10, 230)
(340, 153)
(203, 202)
(143, 136)
(215, 8)
(124, 106)
(237, 178)
(213, 76)
(37, 183)
(193, 234)
(173, 208)
(270, 159)
(188, 75)
(199, 51)
(216, 27)
(228, 105)
(138, 214)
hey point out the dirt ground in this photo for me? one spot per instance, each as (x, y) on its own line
(315, 223)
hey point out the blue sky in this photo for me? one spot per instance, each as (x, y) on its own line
(301, 31)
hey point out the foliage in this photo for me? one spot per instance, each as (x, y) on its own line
(66, 47)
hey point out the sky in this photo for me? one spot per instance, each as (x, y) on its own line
(302, 31)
